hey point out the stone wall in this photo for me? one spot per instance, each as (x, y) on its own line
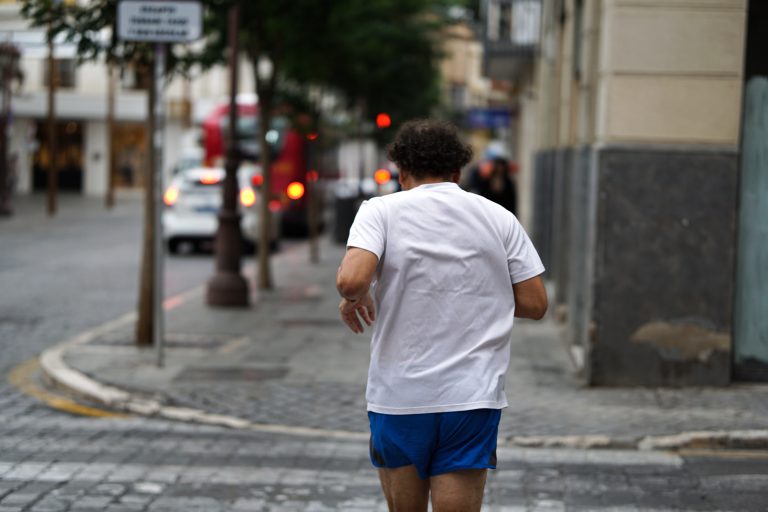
(643, 257)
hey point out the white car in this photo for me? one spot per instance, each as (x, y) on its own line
(192, 202)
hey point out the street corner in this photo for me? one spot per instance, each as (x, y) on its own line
(29, 379)
(206, 379)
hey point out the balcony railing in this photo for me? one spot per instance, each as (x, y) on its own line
(511, 35)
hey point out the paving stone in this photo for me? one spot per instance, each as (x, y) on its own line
(19, 499)
(108, 489)
(136, 499)
(50, 505)
(98, 502)
(124, 508)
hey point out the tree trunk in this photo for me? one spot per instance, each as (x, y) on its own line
(109, 200)
(53, 177)
(313, 160)
(265, 91)
(5, 207)
(145, 320)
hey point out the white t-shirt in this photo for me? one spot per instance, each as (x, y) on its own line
(443, 291)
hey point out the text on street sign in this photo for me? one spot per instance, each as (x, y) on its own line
(159, 21)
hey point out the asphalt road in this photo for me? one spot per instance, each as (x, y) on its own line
(61, 276)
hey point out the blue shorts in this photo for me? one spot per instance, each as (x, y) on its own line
(435, 443)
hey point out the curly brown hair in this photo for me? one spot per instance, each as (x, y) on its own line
(428, 148)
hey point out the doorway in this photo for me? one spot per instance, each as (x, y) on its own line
(68, 159)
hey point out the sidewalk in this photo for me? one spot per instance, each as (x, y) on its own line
(287, 364)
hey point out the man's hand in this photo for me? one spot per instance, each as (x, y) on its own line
(363, 307)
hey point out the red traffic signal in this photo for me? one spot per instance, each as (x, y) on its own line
(382, 176)
(383, 120)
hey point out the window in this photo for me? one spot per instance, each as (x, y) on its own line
(64, 70)
(505, 22)
(578, 24)
(136, 77)
(493, 21)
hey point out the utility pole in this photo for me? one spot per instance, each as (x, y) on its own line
(158, 295)
(228, 287)
(53, 177)
(9, 71)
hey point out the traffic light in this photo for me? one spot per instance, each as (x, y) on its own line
(383, 120)
(382, 176)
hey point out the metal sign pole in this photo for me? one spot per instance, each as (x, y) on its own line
(159, 22)
(157, 183)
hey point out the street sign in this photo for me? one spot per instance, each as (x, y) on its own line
(489, 117)
(159, 21)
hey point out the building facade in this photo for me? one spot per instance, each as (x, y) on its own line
(632, 115)
(83, 160)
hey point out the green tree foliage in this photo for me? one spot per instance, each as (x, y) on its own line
(386, 56)
(381, 54)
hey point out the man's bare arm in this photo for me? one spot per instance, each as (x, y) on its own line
(530, 298)
(356, 273)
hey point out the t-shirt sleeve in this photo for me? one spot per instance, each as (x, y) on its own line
(368, 230)
(522, 258)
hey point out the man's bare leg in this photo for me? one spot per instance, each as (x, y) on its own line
(404, 490)
(458, 491)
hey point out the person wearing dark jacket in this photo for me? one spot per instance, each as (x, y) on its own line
(499, 186)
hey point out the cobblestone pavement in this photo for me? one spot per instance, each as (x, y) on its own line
(288, 360)
(51, 461)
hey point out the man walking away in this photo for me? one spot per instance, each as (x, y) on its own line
(443, 273)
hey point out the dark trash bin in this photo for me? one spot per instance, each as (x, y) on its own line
(345, 208)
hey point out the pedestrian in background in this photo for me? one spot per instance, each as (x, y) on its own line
(441, 273)
(499, 186)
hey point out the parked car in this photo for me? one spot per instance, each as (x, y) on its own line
(192, 202)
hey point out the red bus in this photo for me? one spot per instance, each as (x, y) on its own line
(289, 170)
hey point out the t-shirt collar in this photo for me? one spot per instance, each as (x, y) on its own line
(441, 184)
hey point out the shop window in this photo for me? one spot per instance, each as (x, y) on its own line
(130, 155)
(68, 161)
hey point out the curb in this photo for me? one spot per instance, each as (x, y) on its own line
(58, 373)
(702, 439)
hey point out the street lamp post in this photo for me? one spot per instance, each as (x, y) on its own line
(228, 287)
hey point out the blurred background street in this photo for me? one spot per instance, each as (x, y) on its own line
(177, 183)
